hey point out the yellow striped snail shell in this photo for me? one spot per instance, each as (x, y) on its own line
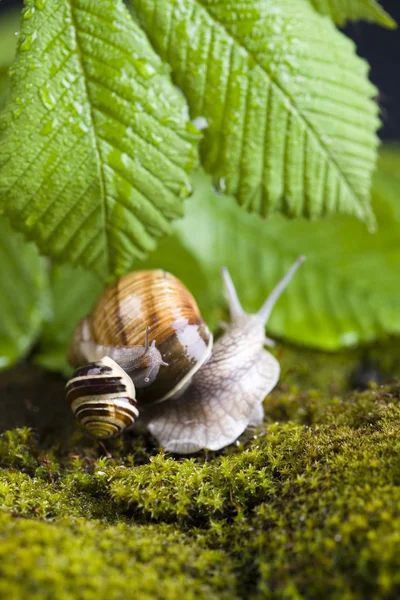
(140, 301)
(102, 397)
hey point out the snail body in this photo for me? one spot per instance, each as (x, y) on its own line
(216, 396)
(211, 415)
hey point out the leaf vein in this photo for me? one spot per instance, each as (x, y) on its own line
(94, 144)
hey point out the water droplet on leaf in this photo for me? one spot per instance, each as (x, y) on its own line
(222, 185)
(186, 189)
(83, 127)
(47, 97)
(78, 107)
(28, 13)
(156, 139)
(145, 69)
(27, 41)
(200, 123)
(48, 127)
(17, 112)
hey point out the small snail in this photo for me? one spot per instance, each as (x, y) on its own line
(102, 398)
(198, 399)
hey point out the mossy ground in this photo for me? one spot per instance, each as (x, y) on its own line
(306, 507)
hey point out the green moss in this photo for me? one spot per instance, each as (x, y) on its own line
(77, 559)
(306, 507)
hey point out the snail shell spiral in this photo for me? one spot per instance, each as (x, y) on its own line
(102, 397)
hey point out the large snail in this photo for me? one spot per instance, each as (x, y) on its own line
(191, 394)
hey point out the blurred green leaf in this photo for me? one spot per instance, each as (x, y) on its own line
(346, 293)
(73, 293)
(354, 10)
(96, 141)
(24, 298)
(291, 124)
(9, 24)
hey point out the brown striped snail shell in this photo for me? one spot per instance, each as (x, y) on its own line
(142, 299)
(102, 397)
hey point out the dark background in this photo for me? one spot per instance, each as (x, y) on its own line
(381, 47)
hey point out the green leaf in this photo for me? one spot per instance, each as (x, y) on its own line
(354, 10)
(291, 123)
(23, 295)
(347, 291)
(73, 293)
(9, 25)
(96, 141)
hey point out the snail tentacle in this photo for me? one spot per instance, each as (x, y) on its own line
(235, 308)
(266, 309)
